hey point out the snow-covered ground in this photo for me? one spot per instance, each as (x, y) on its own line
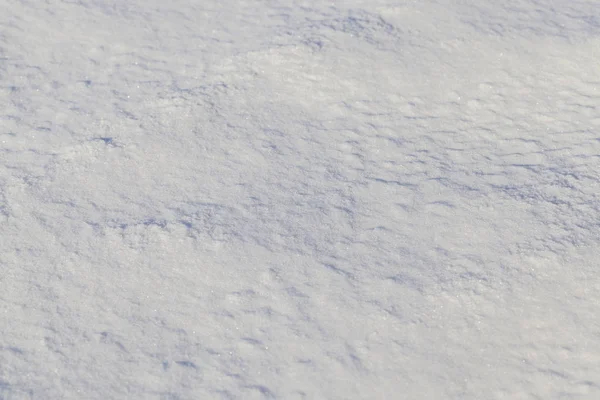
(359, 199)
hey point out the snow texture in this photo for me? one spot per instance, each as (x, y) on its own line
(363, 199)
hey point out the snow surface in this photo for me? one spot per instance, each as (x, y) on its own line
(361, 199)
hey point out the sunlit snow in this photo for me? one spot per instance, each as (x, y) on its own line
(361, 199)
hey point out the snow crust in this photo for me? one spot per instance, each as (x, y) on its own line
(299, 199)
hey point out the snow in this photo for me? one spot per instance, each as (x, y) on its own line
(299, 199)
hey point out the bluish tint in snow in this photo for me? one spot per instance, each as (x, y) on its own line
(299, 199)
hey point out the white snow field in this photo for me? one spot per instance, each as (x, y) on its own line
(289, 199)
